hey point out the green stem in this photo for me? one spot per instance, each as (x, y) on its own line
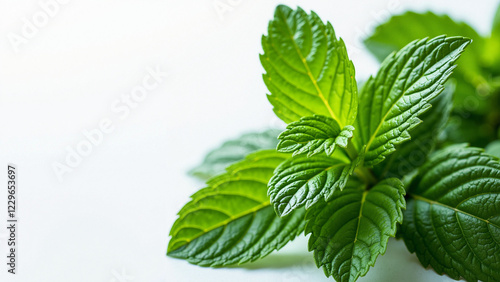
(361, 171)
(351, 151)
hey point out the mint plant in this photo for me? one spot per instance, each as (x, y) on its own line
(336, 174)
(476, 111)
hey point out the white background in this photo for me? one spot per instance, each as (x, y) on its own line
(108, 219)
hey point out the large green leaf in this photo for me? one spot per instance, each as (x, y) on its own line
(235, 150)
(307, 68)
(232, 221)
(412, 154)
(402, 29)
(314, 135)
(391, 102)
(305, 180)
(452, 221)
(350, 231)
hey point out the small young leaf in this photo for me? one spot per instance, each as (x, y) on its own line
(233, 151)
(307, 68)
(453, 218)
(350, 231)
(391, 102)
(413, 154)
(314, 135)
(305, 180)
(232, 221)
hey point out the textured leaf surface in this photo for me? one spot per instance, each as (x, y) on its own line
(231, 221)
(349, 232)
(307, 68)
(391, 102)
(235, 150)
(314, 135)
(305, 180)
(413, 154)
(453, 218)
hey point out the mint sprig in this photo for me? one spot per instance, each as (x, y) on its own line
(336, 168)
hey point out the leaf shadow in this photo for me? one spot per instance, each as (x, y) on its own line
(280, 261)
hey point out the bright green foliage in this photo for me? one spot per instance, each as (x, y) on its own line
(314, 135)
(307, 68)
(476, 113)
(391, 101)
(233, 151)
(402, 29)
(412, 154)
(303, 181)
(453, 218)
(349, 232)
(231, 221)
(493, 149)
(328, 174)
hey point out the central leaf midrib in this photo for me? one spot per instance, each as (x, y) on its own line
(374, 135)
(309, 73)
(432, 202)
(363, 200)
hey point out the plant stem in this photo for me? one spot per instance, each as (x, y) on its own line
(363, 172)
(351, 151)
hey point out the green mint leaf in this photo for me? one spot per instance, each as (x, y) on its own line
(413, 154)
(350, 231)
(233, 151)
(402, 29)
(232, 221)
(305, 180)
(307, 68)
(493, 149)
(391, 102)
(314, 135)
(452, 221)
